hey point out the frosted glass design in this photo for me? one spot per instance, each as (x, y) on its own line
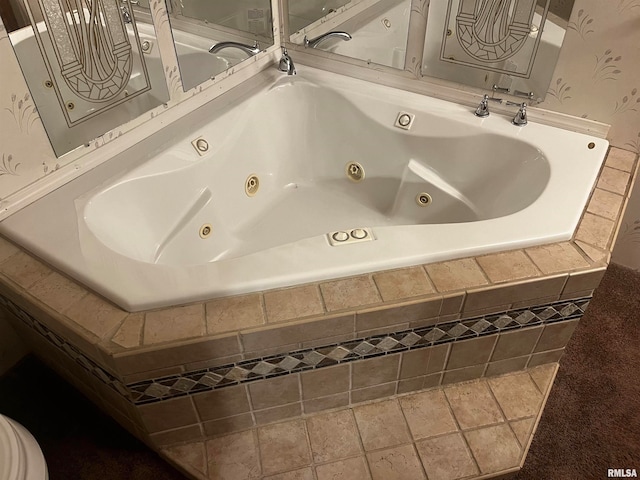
(91, 46)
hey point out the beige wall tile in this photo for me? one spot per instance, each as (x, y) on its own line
(428, 414)
(129, 334)
(162, 372)
(543, 358)
(234, 313)
(473, 405)
(534, 302)
(506, 366)
(292, 303)
(174, 324)
(517, 395)
(179, 435)
(24, 269)
(371, 393)
(228, 425)
(502, 267)
(404, 283)
(57, 291)
(595, 230)
(333, 436)
(168, 414)
(556, 335)
(399, 327)
(620, 159)
(7, 249)
(374, 371)
(411, 384)
(274, 392)
(452, 303)
(325, 381)
(284, 447)
(543, 376)
(397, 463)
(556, 257)
(523, 428)
(234, 457)
(490, 310)
(581, 281)
(471, 352)
(496, 298)
(350, 469)
(613, 180)
(221, 403)
(300, 332)
(399, 314)
(573, 295)
(482, 443)
(326, 403)
(349, 293)
(188, 352)
(414, 363)
(516, 343)
(595, 254)
(302, 474)
(446, 457)
(192, 454)
(605, 204)
(96, 315)
(433, 380)
(456, 275)
(381, 425)
(276, 414)
(438, 357)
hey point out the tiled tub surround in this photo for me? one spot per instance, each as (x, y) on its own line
(106, 352)
(440, 434)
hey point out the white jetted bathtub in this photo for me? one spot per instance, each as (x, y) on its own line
(297, 171)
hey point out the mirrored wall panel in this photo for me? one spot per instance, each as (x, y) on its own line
(211, 36)
(371, 30)
(87, 65)
(509, 46)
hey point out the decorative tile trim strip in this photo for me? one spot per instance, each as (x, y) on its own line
(165, 388)
(172, 386)
(65, 347)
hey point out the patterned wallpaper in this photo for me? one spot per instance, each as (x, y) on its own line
(598, 77)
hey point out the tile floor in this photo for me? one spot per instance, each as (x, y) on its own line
(477, 429)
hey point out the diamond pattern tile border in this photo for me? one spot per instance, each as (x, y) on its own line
(172, 386)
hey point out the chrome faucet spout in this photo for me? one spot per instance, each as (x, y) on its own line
(313, 43)
(483, 109)
(286, 63)
(248, 49)
(520, 118)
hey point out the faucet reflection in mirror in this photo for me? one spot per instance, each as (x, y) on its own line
(203, 29)
(85, 68)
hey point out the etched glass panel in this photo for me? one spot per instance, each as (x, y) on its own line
(86, 67)
(512, 44)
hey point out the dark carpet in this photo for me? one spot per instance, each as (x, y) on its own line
(592, 419)
(591, 422)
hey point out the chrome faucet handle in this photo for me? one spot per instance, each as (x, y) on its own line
(483, 109)
(496, 88)
(519, 93)
(520, 119)
(286, 63)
